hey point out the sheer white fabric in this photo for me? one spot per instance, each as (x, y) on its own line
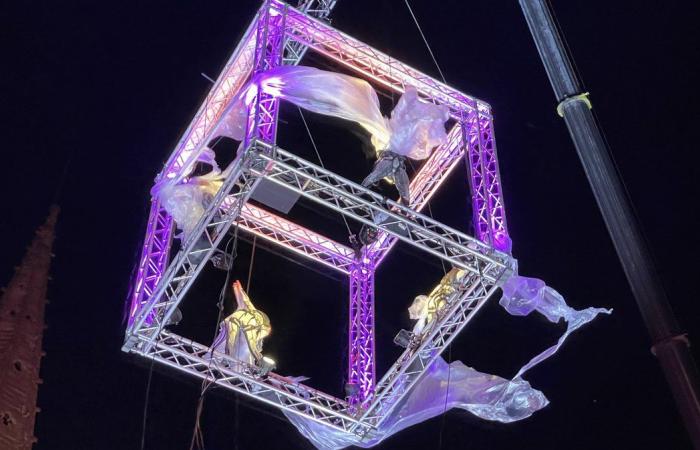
(444, 386)
(413, 130)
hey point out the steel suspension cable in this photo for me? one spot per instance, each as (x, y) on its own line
(318, 155)
(430, 211)
(420, 30)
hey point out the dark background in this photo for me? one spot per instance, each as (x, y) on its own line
(113, 86)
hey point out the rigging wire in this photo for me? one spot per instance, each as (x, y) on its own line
(449, 368)
(229, 258)
(147, 396)
(420, 30)
(447, 394)
(318, 155)
(250, 268)
(432, 55)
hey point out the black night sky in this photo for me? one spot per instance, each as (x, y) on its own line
(112, 86)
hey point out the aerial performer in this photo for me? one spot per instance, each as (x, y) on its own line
(425, 308)
(241, 334)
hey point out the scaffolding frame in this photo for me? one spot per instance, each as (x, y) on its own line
(281, 34)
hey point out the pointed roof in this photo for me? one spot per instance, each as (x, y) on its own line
(21, 331)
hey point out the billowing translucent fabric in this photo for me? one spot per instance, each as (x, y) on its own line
(413, 130)
(486, 396)
(455, 385)
(187, 201)
(523, 295)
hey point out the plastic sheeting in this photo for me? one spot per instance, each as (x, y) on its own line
(523, 295)
(444, 386)
(486, 396)
(187, 201)
(413, 130)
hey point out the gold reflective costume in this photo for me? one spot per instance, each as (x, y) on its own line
(250, 323)
(425, 308)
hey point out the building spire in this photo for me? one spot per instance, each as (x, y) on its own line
(21, 330)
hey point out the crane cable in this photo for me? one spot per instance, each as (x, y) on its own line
(449, 347)
(229, 258)
(420, 30)
(318, 155)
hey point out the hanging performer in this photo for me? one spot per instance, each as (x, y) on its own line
(425, 308)
(241, 334)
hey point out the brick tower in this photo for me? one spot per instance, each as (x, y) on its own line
(21, 329)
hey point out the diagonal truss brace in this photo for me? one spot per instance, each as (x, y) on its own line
(370, 208)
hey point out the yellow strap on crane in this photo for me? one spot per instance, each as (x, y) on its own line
(579, 97)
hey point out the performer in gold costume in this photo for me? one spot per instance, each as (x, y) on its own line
(425, 308)
(241, 334)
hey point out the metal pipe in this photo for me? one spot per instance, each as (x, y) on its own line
(669, 344)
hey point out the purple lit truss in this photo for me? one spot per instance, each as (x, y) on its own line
(281, 34)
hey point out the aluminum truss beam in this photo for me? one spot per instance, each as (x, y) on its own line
(411, 365)
(359, 203)
(361, 364)
(154, 257)
(269, 48)
(489, 216)
(195, 251)
(198, 360)
(295, 238)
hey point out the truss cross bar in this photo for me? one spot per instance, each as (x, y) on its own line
(487, 201)
(296, 238)
(425, 184)
(269, 49)
(361, 204)
(154, 257)
(374, 64)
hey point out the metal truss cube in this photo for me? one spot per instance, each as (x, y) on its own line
(281, 34)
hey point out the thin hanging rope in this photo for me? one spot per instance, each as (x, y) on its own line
(147, 394)
(447, 393)
(250, 267)
(145, 403)
(420, 30)
(229, 258)
(318, 155)
(425, 41)
(430, 211)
